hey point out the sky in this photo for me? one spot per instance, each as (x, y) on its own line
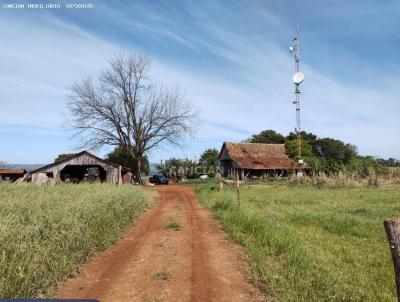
(231, 59)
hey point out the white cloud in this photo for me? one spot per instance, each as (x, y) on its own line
(39, 59)
(43, 56)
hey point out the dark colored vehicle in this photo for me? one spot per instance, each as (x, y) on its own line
(93, 173)
(158, 179)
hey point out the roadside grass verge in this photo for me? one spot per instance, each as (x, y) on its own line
(210, 180)
(312, 244)
(47, 232)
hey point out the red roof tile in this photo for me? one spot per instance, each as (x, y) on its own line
(259, 156)
(12, 171)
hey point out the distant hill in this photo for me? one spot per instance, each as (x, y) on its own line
(27, 167)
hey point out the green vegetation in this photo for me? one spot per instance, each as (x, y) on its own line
(327, 155)
(209, 160)
(163, 275)
(312, 244)
(179, 169)
(195, 181)
(47, 232)
(122, 157)
(267, 137)
(173, 226)
(63, 156)
(291, 149)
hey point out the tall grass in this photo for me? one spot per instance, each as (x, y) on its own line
(319, 244)
(391, 178)
(47, 232)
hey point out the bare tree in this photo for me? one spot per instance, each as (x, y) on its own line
(122, 107)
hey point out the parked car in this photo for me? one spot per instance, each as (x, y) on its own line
(159, 179)
(93, 174)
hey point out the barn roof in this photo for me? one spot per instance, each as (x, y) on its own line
(12, 171)
(44, 168)
(256, 156)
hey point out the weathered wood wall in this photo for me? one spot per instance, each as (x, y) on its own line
(112, 172)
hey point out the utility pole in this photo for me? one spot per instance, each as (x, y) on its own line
(298, 78)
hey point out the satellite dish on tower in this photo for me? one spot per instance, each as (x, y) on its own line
(298, 77)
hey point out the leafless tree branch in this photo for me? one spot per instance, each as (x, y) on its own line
(123, 107)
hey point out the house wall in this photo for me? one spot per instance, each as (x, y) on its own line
(225, 167)
(225, 163)
(225, 154)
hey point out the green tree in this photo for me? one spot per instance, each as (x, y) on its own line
(209, 161)
(63, 156)
(335, 150)
(120, 157)
(391, 162)
(291, 149)
(307, 136)
(267, 137)
(178, 169)
(318, 164)
(321, 154)
(209, 157)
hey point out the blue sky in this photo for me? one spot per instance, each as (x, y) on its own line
(230, 57)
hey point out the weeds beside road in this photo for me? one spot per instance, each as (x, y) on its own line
(312, 244)
(47, 232)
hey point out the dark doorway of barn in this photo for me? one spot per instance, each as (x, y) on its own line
(79, 173)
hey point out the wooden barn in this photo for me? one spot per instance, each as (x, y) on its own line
(255, 160)
(11, 175)
(81, 167)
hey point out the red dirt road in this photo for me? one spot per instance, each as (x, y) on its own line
(153, 263)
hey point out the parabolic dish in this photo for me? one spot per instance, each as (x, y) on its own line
(298, 77)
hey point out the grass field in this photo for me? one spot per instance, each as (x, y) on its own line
(319, 244)
(46, 232)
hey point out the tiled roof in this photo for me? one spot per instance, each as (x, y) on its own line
(12, 171)
(259, 156)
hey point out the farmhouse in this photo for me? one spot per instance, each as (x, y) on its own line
(82, 166)
(11, 174)
(255, 160)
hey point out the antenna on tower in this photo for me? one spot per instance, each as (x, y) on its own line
(298, 78)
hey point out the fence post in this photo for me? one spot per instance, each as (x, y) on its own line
(237, 187)
(119, 175)
(392, 228)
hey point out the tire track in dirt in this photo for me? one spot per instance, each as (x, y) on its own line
(152, 263)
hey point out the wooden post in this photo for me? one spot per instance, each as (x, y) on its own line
(56, 178)
(392, 228)
(237, 187)
(119, 175)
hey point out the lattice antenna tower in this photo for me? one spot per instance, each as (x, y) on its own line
(298, 78)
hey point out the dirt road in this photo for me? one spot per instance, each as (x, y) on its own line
(176, 252)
